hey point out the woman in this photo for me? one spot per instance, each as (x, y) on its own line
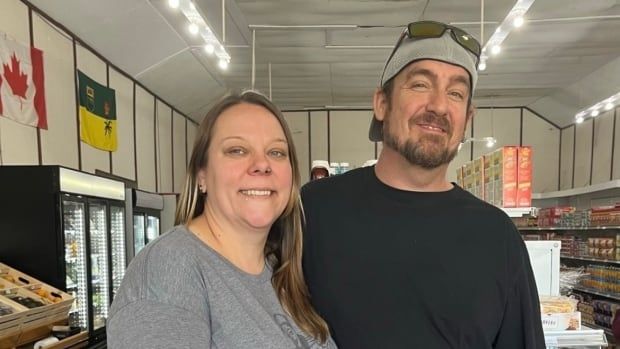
(229, 274)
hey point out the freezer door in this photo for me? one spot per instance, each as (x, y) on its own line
(152, 228)
(117, 235)
(99, 263)
(75, 260)
(139, 231)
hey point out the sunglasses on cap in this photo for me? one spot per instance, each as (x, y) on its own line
(431, 29)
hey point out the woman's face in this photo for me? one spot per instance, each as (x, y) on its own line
(248, 177)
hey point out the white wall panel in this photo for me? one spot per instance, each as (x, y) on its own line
(461, 158)
(192, 129)
(503, 124)
(123, 159)
(601, 156)
(616, 157)
(164, 148)
(566, 158)
(583, 154)
(145, 139)
(18, 142)
(89, 64)
(318, 135)
(179, 149)
(59, 143)
(544, 139)
(298, 124)
(349, 137)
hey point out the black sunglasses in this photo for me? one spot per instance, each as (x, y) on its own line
(431, 29)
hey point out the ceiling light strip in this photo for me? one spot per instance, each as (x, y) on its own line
(198, 26)
(513, 19)
(596, 109)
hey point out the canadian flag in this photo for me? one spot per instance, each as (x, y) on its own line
(22, 86)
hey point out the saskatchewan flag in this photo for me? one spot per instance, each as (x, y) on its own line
(97, 114)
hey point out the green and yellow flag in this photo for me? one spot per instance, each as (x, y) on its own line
(97, 114)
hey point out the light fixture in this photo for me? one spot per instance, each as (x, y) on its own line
(594, 110)
(489, 141)
(513, 19)
(482, 66)
(496, 49)
(197, 25)
(193, 28)
(518, 22)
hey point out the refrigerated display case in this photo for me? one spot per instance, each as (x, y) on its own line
(144, 208)
(66, 228)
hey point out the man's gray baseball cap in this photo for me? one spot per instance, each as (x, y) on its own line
(443, 48)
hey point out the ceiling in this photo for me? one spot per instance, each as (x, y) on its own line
(564, 59)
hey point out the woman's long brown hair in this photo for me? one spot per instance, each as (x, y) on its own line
(284, 247)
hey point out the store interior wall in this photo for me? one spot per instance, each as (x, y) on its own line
(153, 139)
(342, 136)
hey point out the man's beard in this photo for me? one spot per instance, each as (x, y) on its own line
(429, 151)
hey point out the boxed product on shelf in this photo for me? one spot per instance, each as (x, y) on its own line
(478, 178)
(605, 216)
(559, 313)
(504, 162)
(459, 176)
(524, 176)
(488, 183)
(551, 216)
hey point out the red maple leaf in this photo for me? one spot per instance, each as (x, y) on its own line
(15, 78)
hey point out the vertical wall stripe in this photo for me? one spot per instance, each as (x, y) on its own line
(155, 142)
(471, 146)
(40, 154)
(309, 141)
(574, 147)
(521, 128)
(107, 79)
(592, 151)
(185, 145)
(329, 146)
(135, 145)
(613, 146)
(172, 143)
(560, 161)
(77, 104)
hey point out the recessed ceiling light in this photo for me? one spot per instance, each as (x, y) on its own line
(173, 3)
(496, 49)
(594, 113)
(609, 106)
(193, 28)
(223, 64)
(482, 66)
(518, 22)
(209, 48)
(579, 119)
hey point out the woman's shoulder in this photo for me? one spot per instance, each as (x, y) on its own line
(166, 270)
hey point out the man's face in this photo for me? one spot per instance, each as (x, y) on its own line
(425, 118)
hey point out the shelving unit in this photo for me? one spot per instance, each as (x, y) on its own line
(604, 261)
(568, 228)
(517, 211)
(614, 296)
(586, 338)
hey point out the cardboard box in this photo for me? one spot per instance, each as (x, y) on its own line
(487, 181)
(524, 177)
(459, 176)
(504, 161)
(561, 321)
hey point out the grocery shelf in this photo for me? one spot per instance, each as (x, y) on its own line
(568, 228)
(597, 327)
(517, 211)
(576, 338)
(615, 296)
(615, 184)
(608, 261)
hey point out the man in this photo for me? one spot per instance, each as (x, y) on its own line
(396, 256)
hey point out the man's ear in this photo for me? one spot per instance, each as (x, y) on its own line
(379, 104)
(471, 111)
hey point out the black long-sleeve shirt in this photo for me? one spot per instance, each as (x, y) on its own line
(389, 268)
